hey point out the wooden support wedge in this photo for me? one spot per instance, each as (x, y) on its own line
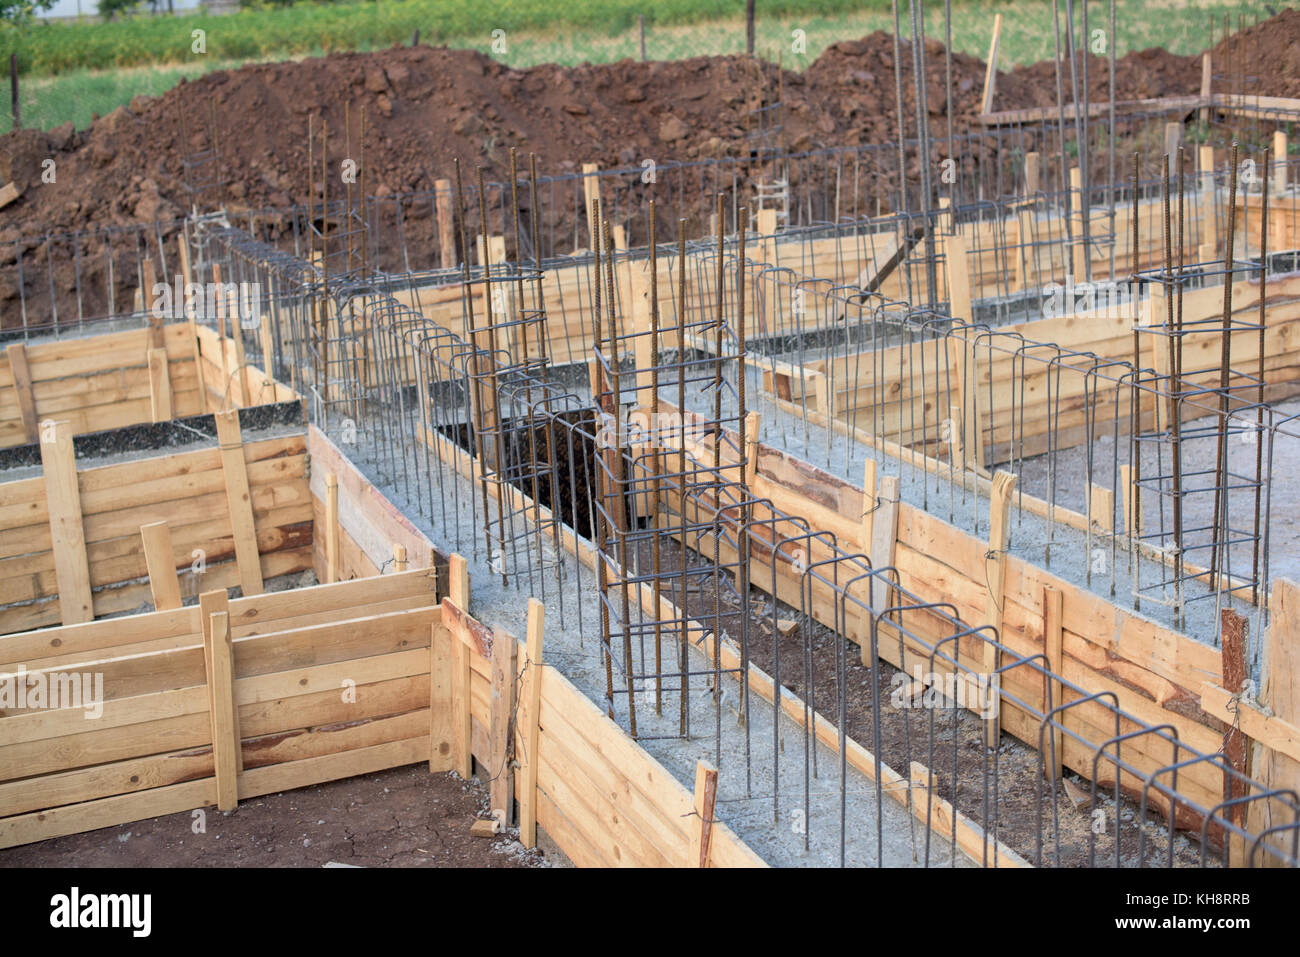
(159, 560)
(67, 533)
(331, 528)
(22, 376)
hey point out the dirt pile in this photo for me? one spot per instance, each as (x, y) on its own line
(426, 106)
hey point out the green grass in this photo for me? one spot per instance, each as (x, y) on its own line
(597, 31)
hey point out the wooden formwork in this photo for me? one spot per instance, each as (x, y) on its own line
(1035, 384)
(71, 541)
(231, 699)
(1157, 676)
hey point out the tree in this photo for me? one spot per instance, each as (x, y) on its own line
(108, 9)
(20, 12)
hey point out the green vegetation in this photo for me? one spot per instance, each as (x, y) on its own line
(539, 31)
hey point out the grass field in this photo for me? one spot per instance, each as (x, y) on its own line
(157, 51)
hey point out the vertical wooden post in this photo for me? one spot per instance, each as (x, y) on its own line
(1279, 178)
(1233, 628)
(884, 536)
(1281, 695)
(399, 559)
(528, 731)
(331, 528)
(458, 581)
(240, 502)
(221, 695)
(461, 730)
(1101, 509)
(591, 192)
(1054, 646)
(1206, 85)
(22, 376)
(1033, 168)
(160, 386)
(67, 534)
(1173, 140)
(268, 350)
(234, 308)
(161, 563)
(1210, 227)
(442, 749)
(991, 69)
(1078, 253)
(446, 223)
(153, 321)
(706, 800)
(212, 603)
(995, 601)
(501, 709)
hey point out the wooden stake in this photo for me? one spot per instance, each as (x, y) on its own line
(461, 729)
(868, 503)
(991, 69)
(528, 731)
(446, 223)
(1101, 509)
(501, 708)
(884, 536)
(1054, 645)
(1279, 171)
(1132, 503)
(240, 502)
(706, 799)
(221, 694)
(22, 376)
(331, 528)
(161, 563)
(1233, 629)
(399, 559)
(67, 534)
(1281, 695)
(268, 351)
(458, 581)
(160, 386)
(995, 601)
(1032, 176)
(1206, 81)
(153, 320)
(1078, 252)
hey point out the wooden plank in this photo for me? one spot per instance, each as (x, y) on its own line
(67, 535)
(239, 502)
(225, 735)
(526, 735)
(161, 563)
(22, 386)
